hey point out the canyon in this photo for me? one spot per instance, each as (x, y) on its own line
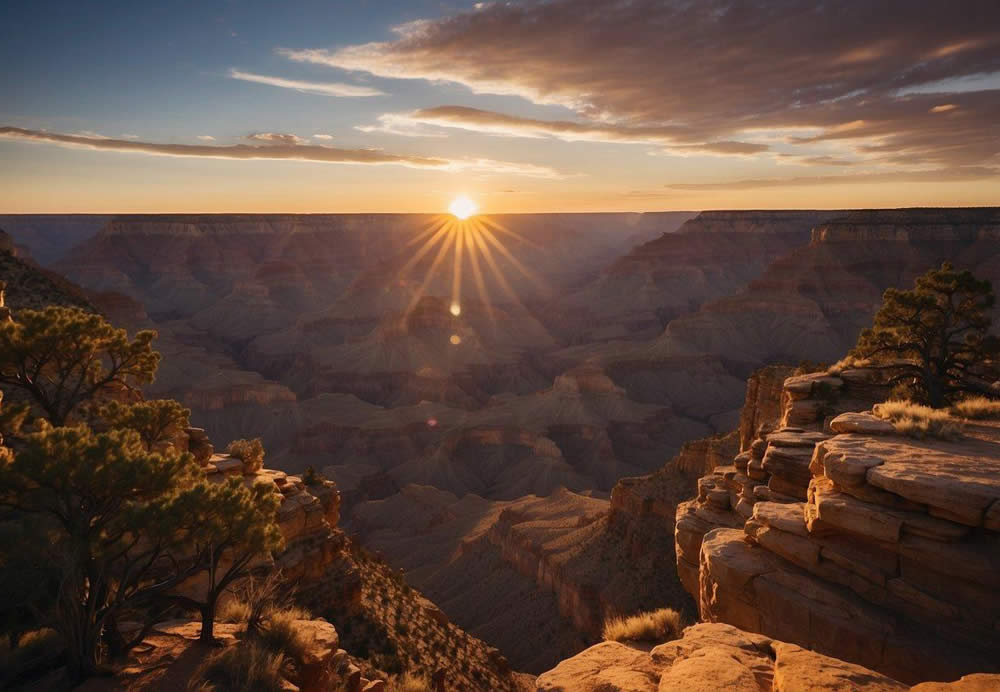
(629, 413)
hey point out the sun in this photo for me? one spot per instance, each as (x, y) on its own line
(462, 207)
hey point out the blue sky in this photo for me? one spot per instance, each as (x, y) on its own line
(560, 105)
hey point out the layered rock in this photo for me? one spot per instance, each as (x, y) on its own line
(844, 537)
(48, 237)
(812, 302)
(711, 656)
(710, 256)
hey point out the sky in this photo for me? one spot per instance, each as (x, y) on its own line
(562, 105)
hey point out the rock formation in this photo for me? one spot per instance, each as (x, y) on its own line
(711, 656)
(838, 534)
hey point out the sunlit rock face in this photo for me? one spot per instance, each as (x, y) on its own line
(838, 534)
(712, 656)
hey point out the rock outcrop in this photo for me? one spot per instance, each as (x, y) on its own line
(711, 656)
(840, 535)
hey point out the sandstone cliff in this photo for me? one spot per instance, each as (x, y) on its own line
(711, 657)
(838, 534)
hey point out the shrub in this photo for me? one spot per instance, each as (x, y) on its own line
(281, 636)
(655, 626)
(312, 477)
(918, 421)
(234, 611)
(245, 666)
(978, 407)
(39, 649)
(250, 452)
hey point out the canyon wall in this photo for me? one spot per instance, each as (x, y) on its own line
(839, 534)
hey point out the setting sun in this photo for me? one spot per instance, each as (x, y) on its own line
(462, 207)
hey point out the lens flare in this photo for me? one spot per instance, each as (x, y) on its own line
(462, 207)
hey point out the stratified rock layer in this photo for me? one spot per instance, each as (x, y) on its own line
(839, 535)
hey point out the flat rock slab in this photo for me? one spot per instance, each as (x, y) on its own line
(861, 423)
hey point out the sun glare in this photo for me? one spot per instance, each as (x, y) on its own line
(462, 207)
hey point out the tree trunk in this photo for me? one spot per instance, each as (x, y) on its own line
(208, 620)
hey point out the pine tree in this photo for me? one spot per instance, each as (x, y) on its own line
(62, 357)
(157, 421)
(934, 339)
(111, 513)
(231, 526)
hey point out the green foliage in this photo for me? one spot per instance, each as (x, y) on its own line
(934, 338)
(228, 525)
(62, 357)
(109, 511)
(157, 421)
(250, 452)
(245, 666)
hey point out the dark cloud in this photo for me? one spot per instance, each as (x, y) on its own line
(720, 70)
(278, 149)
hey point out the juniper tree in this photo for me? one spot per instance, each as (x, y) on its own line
(62, 357)
(934, 338)
(231, 526)
(157, 421)
(111, 514)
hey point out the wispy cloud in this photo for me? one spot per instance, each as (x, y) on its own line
(715, 71)
(321, 88)
(679, 139)
(325, 138)
(282, 151)
(206, 138)
(939, 175)
(275, 138)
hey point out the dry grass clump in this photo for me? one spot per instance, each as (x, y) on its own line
(978, 408)
(250, 452)
(233, 611)
(409, 682)
(279, 635)
(245, 666)
(916, 420)
(655, 626)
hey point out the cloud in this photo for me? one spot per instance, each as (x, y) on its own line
(320, 88)
(130, 136)
(940, 175)
(716, 70)
(274, 138)
(206, 138)
(282, 151)
(323, 137)
(414, 124)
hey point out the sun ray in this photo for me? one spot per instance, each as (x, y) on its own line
(456, 272)
(514, 234)
(477, 274)
(528, 274)
(432, 227)
(495, 268)
(449, 239)
(442, 232)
